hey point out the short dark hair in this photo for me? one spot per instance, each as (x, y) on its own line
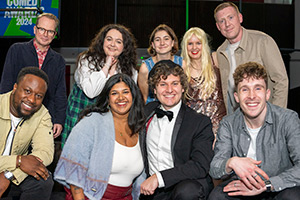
(163, 69)
(136, 113)
(34, 71)
(49, 16)
(250, 70)
(169, 30)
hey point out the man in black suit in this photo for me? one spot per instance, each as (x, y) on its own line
(176, 141)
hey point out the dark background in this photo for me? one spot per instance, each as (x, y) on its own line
(80, 20)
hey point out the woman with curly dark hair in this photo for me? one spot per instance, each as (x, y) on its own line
(112, 51)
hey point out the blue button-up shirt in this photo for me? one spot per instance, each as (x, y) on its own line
(277, 145)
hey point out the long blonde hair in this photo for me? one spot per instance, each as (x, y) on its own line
(207, 76)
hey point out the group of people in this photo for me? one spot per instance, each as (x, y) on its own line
(161, 131)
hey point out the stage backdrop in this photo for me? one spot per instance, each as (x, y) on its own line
(16, 23)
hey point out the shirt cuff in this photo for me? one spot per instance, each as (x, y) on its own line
(160, 179)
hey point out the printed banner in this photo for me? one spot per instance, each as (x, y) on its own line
(20, 23)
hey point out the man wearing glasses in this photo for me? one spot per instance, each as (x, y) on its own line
(37, 53)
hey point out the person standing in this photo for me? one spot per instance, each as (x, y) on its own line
(38, 53)
(112, 51)
(163, 45)
(205, 91)
(243, 45)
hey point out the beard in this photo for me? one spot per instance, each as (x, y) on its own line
(18, 109)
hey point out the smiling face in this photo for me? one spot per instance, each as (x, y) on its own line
(44, 40)
(27, 96)
(252, 94)
(229, 24)
(169, 91)
(162, 42)
(120, 99)
(113, 43)
(194, 48)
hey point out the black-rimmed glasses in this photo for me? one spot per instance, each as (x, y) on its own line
(49, 32)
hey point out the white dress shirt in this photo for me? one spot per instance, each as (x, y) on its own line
(158, 140)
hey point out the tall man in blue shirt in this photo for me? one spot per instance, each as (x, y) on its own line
(37, 53)
(177, 147)
(257, 146)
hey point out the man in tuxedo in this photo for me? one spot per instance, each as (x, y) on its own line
(176, 141)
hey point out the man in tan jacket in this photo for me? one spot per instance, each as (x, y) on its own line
(242, 46)
(26, 124)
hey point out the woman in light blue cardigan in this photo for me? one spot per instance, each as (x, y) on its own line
(86, 166)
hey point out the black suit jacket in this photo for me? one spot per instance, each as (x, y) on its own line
(191, 145)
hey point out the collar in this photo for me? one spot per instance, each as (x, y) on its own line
(243, 41)
(174, 109)
(38, 49)
(5, 103)
(268, 118)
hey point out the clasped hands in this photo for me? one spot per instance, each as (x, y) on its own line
(250, 183)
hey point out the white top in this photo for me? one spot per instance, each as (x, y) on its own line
(232, 104)
(127, 165)
(90, 81)
(14, 123)
(252, 148)
(159, 144)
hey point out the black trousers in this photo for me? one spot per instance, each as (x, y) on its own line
(287, 194)
(184, 190)
(30, 189)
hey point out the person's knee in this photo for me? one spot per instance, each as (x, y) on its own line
(188, 190)
(217, 193)
(289, 194)
(46, 185)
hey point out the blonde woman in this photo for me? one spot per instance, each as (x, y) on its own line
(205, 93)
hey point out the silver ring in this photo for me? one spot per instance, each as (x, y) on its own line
(255, 175)
(35, 176)
(234, 185)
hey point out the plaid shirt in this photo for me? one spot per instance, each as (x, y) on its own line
(77, 101)
(41, 54)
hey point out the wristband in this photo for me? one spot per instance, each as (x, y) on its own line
(19, 160)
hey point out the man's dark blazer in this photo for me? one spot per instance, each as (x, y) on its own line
(22, 55)
(191, 145)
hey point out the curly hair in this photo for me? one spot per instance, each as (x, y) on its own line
(171, 33)
(207, 75)
(136, 116)
(250, 70)
(163, 69)
(96, 55)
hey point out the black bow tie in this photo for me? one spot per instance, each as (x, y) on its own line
(160, 113)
